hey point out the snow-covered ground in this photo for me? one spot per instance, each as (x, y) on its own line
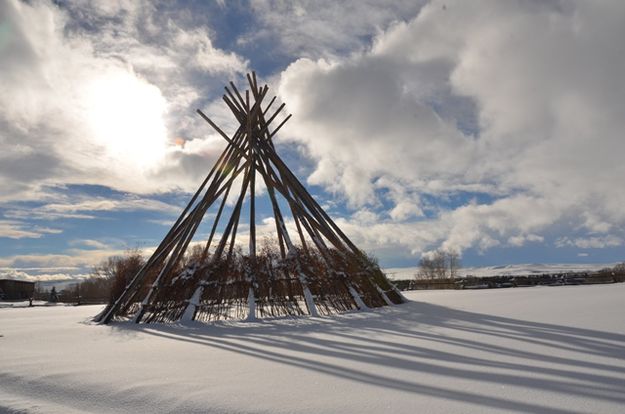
(527, 350)
(399, 273)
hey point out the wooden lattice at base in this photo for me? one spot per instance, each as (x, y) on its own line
(312, 268)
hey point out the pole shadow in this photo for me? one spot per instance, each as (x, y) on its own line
(416, 338)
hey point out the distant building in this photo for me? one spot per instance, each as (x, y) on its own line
(16, 289)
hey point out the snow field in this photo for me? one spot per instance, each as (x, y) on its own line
(526, 350)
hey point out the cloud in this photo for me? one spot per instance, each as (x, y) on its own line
(464, 126)
(73, 258)
(317, 29)
(21, 230)
(99, 93)
(522, 239)
(76, 206)
(503, 223)
(20, 274)
(128, 203)
(74, 263)
(519, 101)
(597, 242)
(90, 243)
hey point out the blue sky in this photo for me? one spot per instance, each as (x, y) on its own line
(494, 129)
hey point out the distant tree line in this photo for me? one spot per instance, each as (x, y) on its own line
(108, 280)
(434, 273)
(619, 269)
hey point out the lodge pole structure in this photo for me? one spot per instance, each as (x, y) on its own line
(319, 271)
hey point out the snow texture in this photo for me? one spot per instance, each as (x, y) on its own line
(548, 350)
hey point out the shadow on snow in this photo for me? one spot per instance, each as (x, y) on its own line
(323, 344)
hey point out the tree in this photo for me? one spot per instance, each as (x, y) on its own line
(453, 262)
(53, 295)
(109, 279)
(193, 256)
(123, 269)
(439, 264)
(40, 292)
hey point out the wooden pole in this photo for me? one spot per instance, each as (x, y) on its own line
(250, 150)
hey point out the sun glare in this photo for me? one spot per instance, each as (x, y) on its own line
(126, 115)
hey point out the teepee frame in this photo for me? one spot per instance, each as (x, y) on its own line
(319, 272)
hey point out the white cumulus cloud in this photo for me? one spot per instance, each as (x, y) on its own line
(520, 101)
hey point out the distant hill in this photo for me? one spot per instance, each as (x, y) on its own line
(399, 273)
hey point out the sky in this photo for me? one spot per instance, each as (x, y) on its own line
(494, 128)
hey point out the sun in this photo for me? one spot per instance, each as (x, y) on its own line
(126, 116)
